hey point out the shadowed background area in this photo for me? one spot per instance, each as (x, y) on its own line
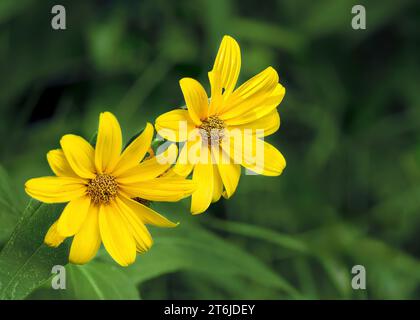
(350, 194)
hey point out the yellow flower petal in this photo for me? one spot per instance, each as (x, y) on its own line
(183, 167)
(226, 170)
(195, 98)
(73, 216)
(150, 168)
(170, 174)
(264, 126)
(260, 110)
(138, 230)
(228, 63)
(203, 178)
(216, 101)
(135, 152)
(230, 174)
(80, 155)
(115, 235)
(254, 93)
(87, 241)
(59, 164)
(160, 189)
(55, 189)
(148, 215)
(174, 125)
(108, 144)
(255, 154)
(217, 184)
(187, 158)
(53, 238)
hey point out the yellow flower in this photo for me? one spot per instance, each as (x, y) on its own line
(99, 185)
(234, 121)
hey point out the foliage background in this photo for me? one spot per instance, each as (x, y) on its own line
(350, 132)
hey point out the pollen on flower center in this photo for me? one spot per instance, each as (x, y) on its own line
(212, 129)
(102, 189)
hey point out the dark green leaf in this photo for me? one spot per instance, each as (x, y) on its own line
(25, 262)
(94, 281)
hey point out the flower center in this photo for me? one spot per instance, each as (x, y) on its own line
(212, 129)
(102, 189)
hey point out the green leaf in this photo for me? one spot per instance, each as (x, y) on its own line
(192, 248)
(99, 280)
(10, 206)
(283, 240)
(94, 281)
(25, 262)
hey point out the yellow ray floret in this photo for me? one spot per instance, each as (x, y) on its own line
(225, 132)
(103, 187)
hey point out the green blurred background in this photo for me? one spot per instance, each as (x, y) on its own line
(350, 194)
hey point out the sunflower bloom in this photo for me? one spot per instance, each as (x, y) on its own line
(231, 125)
(105, 188)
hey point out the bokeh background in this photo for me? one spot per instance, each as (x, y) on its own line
(350, 132)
